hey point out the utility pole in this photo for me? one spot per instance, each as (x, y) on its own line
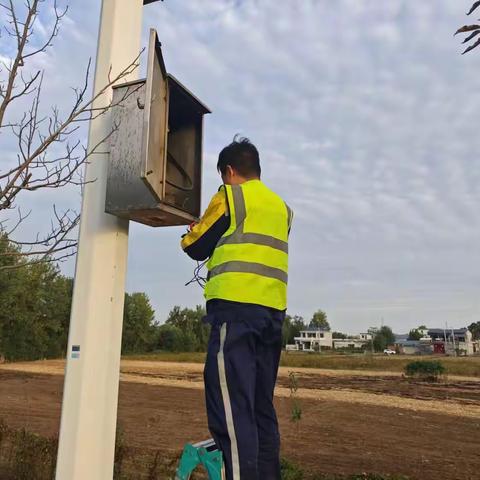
(90, 398)
(445, 337)
(453, 341)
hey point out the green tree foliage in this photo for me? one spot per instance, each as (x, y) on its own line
(339, 335)
(138, 327)
(475, 329)
(170, 338)
(319, 320)
(383, 338)
(291, 328)
(35, 304)
(191, 333)
(414, 334)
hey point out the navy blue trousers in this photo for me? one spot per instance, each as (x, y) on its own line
(240, 374)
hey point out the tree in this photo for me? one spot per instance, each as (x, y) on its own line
(138, 327)
(170, 338)
(319, 320)
(383, 338)
(291, 328)
(339, 335)
(475, 329)
(189, 321)
(34, 307)
(35, 303)
(472, 30)
(49, 152)
(58, 303)
(414, 334)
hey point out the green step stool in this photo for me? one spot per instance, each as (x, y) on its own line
(202, 453)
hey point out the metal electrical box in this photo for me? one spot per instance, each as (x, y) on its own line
(155, 165)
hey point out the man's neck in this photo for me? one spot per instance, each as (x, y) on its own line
(241, 180)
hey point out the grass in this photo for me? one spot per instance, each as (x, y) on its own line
(183, 357)
(290, 471)
(26, 456)
(466, 366)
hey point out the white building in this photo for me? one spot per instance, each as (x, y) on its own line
(312, 340)
(352, 342)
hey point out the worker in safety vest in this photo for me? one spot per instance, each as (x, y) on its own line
(244, 233)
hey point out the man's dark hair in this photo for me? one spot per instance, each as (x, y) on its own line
(242, 156)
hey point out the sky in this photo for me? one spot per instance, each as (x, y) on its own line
(365, 116)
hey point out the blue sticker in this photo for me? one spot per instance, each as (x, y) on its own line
(75, 348)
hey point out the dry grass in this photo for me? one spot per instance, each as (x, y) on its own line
(463, 366)
(27, 456)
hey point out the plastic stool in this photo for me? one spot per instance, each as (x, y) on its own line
(203, 453)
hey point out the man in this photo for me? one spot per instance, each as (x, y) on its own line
(244, 233)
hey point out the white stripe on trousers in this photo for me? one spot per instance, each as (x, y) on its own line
(227, 405)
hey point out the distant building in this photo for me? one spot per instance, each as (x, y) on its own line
(438, 341)
(413, 347)
(452, 340)
(352, 342)
(312, 340)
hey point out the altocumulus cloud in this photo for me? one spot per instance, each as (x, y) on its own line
(364, 114)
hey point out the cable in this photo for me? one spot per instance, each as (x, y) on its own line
(197, 278)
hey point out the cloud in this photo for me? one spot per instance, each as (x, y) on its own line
(364, 114)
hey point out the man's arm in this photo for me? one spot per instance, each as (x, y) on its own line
(200, 242)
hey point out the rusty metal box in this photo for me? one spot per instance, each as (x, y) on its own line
(155, 164)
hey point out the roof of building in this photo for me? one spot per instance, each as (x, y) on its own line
(408, 343)
(315, 330)
(350, 339)
(448, 331)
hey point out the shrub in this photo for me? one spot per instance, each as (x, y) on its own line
(291, 471)
(427, 370)
(25, 455)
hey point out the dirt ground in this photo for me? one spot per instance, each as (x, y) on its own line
(352, 422)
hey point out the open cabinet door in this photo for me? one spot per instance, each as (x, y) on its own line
(155, 125)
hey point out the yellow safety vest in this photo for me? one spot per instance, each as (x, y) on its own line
(250, 261)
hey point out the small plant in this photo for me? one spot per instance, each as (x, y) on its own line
(290, 471)
(296, 411)
(426, 370)
(25, 455)
(120, 453)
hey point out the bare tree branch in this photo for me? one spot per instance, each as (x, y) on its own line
(49, 152)
(470, 28)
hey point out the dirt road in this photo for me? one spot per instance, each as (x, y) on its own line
(352, 422)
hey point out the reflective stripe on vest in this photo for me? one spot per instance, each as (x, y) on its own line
(249, 267)
(261, 255)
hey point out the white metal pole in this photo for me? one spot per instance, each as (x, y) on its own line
(453, 341)
(89, 411)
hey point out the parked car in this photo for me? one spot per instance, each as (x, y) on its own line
(388, 351)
